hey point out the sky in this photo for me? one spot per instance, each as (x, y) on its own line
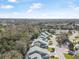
(63, 9)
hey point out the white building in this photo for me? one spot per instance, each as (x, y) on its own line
(77, 46)
(38, 49)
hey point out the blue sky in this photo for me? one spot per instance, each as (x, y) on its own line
(39, 8)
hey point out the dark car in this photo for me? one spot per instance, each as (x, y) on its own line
(71, 52)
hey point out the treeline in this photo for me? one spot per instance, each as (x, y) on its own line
(15, 39)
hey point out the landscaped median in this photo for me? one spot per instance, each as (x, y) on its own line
(67, 56)
(52, 51)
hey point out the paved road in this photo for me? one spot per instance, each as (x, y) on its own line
(59, 52)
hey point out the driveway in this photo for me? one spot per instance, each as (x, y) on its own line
(59, 52)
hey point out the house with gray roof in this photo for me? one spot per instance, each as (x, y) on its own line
(38, 48)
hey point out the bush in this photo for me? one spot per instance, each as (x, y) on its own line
(71, 47)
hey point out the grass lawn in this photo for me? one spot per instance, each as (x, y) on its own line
(68, 56)
(53, 58)
(51, 49)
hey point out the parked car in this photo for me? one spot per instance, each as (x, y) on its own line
(71, 52)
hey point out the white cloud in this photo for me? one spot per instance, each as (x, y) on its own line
(56, 14)
(6, 6)
(34, 7)
(12, 0)
(72, 4)
(62, 14)
(3, 16)
(15, 13)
